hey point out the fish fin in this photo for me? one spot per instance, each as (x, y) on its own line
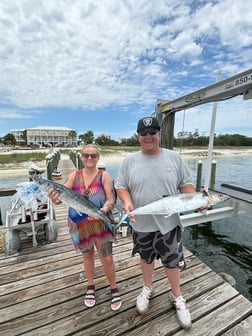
(167, 216)
(204, 192)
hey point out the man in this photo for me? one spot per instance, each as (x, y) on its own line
(144, 177)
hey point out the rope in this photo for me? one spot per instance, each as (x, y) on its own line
(182, 132)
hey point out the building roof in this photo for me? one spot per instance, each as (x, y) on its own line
(17, 130)
(59, 128)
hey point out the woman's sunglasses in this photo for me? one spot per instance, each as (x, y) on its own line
(151, 132)
(86, 155)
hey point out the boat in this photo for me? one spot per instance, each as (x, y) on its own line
(56, 174)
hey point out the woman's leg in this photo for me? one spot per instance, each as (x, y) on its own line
(106, 257)
(88, 261)
(108, 264)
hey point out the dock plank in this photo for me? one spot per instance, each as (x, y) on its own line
(241, 329)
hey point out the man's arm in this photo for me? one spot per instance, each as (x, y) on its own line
(125, 197)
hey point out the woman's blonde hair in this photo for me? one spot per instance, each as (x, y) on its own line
(91, 146)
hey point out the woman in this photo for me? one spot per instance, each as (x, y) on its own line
(88, 232)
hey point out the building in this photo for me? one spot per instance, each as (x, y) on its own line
(52, 136)
(19, 136)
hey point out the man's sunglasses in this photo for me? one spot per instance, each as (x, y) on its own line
(151, 132)
(86, 155)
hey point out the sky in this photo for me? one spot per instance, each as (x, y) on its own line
(101, 65)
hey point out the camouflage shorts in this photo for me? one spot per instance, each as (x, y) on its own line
(154, 245)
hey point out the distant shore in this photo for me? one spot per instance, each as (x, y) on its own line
(185, 153)
(117, 158)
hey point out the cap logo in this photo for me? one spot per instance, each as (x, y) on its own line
(147, 122)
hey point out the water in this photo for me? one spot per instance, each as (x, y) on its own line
(224, 245)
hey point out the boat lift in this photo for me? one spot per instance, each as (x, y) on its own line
(240, 84)
(165, 110)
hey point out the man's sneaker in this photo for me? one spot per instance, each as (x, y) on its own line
(183, 314)
(142, 303)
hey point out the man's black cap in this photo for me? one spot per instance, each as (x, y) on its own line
(148, 123)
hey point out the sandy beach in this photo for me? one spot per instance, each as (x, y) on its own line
(114, 159)
(197, 153)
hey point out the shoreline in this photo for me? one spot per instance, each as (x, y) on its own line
(116, 158)
(185, 153)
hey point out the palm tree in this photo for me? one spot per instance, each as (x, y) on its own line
(73, 136)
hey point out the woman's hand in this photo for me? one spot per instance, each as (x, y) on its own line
(54, 196)
(104, 209)
(107, 206)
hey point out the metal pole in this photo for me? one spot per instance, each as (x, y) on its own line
(211, 140)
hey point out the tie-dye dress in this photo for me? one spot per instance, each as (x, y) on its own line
(85, 232)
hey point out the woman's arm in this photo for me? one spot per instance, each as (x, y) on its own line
(108, 189)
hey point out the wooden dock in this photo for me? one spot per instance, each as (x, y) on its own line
(42, 291)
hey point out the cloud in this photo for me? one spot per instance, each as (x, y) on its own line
(114, 54)
(17, 114)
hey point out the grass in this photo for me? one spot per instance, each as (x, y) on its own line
(104, 150)
(22, 157)
(26, 156)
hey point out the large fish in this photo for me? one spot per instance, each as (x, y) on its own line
(180, 203)
(74, 200)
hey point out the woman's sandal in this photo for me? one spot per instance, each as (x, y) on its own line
(115, 299)
(89, 299)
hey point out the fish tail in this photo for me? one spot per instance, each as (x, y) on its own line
(122, 219)
(110, 224)
(122, 215)
(110, 227)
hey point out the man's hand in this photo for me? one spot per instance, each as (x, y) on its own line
(127, 208)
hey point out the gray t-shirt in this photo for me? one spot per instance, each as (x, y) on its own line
(149, 178)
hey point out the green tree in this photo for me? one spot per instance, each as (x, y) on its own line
(105, 140)
(72, 135)
(9, 139)
(87, 138)
(130, 141)
(24, 136)
(233, 140)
